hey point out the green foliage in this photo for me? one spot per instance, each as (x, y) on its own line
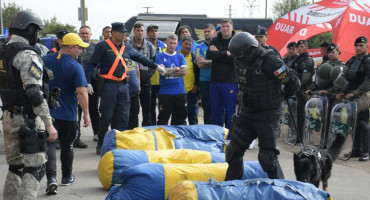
(282, 7)
(315, 41)
(8, 11)
(52, 26)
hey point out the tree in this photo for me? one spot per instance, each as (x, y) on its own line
(52, 26)
(8, 11)
(317, 40)
(282, 7)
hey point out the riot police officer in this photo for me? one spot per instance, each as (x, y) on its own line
(304, 67)
(358, 76)
(261, 75)
(26, 113)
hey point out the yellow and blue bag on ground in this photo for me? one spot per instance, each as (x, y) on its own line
(261, 189)
(115, 162)
(199, 137)
(153, 181)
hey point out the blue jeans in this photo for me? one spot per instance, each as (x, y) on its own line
(114, 107)
(192, 102)
(223, 98)
(206, 101)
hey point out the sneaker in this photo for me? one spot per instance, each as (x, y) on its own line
(68, 180)
(52, 186)
(80, 144)
(364, 157)
(354, 154)
(254, 142)
(98, 149)
(96, 138)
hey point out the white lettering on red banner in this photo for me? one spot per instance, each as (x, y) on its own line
(363, 20)
(303, 32)
(284, 28)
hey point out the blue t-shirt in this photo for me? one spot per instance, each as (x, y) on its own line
(68, 75)
(204, 73)
(171, 85)
(179, 47)
(133, 82)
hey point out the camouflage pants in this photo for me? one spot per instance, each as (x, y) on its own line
(17, 187)
(363, 102)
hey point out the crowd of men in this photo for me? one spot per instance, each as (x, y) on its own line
(106, 84)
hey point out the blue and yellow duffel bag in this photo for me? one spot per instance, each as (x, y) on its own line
(198, 137)
(153, 181)
(113, 163)
(261, 189)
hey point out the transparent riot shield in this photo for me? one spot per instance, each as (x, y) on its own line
(343, 121)
(315, 125)
(287, 128)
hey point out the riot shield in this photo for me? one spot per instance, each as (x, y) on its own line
(343, 121)
(315, 125)
(289, 132)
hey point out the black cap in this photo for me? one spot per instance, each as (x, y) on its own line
(361, 39)
(150, 27)
(292, 44)
(118, 26)
(331, 47)
(301, 42)
(324, 44)
(61, 34)
(261, 31)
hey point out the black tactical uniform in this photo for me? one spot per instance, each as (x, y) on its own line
(304, 67)
(358, 76)
(261, 75)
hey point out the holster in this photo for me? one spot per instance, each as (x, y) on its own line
(99, 82)
(31, 140)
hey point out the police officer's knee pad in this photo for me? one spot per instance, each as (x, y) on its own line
(268, 159)
(37, 172)
(16, 169)
(233, 155)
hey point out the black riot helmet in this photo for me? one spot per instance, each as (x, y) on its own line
(27, 24)
(240, 43)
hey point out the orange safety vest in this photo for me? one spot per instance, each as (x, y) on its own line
(116, 61)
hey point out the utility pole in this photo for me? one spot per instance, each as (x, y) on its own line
(82, 13)
(230, 14)
(147, 9)
(250, 5)
(266, 10)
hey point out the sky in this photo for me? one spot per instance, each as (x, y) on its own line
(103, 12)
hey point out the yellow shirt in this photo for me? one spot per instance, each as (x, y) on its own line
(189, 79)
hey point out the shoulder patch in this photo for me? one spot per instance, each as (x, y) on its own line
(35, 71)
(279, 71)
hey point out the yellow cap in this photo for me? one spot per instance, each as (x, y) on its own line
(73, 39)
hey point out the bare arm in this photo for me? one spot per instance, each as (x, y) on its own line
(203, 63)
(84, 103)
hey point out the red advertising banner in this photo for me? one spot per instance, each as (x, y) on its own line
(348, 19)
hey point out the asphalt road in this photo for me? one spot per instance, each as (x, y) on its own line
(350, 179)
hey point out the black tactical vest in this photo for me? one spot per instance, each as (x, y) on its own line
(356, 72)
(260, 92)
(11, 86)
(299, 64)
